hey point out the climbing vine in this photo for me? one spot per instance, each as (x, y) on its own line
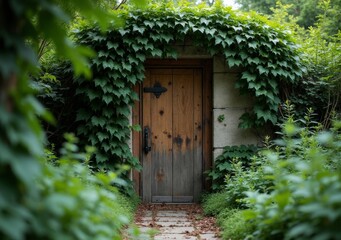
(266, 56)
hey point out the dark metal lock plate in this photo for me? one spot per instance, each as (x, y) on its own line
(157, 89)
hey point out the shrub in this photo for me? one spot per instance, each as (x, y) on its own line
(306, 199)
(223, 165)
(215, 203)
(234, 225)
(72, 202)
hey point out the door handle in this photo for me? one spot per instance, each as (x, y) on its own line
(146, 146)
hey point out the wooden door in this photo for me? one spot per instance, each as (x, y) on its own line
(172, 110)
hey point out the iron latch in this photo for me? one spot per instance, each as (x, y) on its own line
(157, 89)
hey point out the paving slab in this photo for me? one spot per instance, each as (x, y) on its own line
(179, 214)
(173, 224)
(147, 219)
(171, 219)
(174, 236)
(173, 230)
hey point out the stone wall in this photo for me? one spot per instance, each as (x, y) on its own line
(227, 102)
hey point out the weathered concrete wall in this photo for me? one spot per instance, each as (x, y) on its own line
(227, 102)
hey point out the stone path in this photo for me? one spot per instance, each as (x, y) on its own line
(175, 222)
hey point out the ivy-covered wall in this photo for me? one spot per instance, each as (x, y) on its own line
(266, 56)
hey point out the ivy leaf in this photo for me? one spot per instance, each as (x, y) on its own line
(108, 64)
(139, 29)
(237, 29)
(210, 32)
(254, 85)
(262, 70)
(150, 24)
(229, 53)
(123, 31)
(274, 41)
(107, 99)
(205, 21)
(126, 66)
(156, 52)
(166, 37)
(239, 39)
(123, 111)
(218, 40)
(136, 47)
(133, 60)
(112, 130)
(101, 136)
(98, 121)
(228, 41)
(249, 77)
(243, 55)
(111, 45)
(92, 94)
(255, 60)
(141, 57)
(234, 62)
(253, 45)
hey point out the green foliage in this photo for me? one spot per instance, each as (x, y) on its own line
(267, 56)
(305, 201)
(306, 12)
(214, 203)
(293, 188)
(223, 164)
(70, 202)
(252, 179)
(320, 86)
(221, 118)
(231, 220)
(25, 210)
(323, 53)
(234, 225)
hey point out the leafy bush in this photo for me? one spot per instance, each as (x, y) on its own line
(72, 202)
(250, 179)
(305, 202)
(214, 203)
(231, 220)
(320, 86)
(223, 165)
(234, 225)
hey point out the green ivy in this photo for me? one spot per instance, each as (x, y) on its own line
(267, 57)
(224, 163)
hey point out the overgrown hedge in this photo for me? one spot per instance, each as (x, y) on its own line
(267, 56)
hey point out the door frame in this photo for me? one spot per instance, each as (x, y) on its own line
(137, 117)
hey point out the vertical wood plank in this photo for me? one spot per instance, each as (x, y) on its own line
(183, 133)
(197, 132)
(161, 136)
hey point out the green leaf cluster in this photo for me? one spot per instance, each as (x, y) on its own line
(224, 163)
(29, 209)
(305, 201)
(292, 189)
(266, 56)
(70, 200)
